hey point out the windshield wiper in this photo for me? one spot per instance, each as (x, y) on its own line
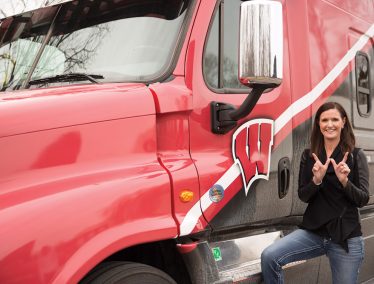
(69, 77)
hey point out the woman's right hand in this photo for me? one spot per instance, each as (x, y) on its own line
(319, 169)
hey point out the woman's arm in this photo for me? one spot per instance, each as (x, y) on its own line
(307, 188)
(358, 193)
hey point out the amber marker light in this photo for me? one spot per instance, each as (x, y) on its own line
(186, 196)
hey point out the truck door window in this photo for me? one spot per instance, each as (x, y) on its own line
(363, 95)
(220, 63)
(122, 40)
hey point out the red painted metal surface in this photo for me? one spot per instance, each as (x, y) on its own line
(29, 111)
(186, 248)
(174, 105)
(77, 185)
(319, 33)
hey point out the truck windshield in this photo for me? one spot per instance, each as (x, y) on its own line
(119, 40)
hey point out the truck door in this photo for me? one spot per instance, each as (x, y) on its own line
(227, 199)
(362, 99)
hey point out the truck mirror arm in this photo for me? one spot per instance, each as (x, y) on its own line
(224, 117)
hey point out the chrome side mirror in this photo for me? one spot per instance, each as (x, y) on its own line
(260, 60)
(261, 43)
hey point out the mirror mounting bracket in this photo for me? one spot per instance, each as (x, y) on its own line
(224, 117)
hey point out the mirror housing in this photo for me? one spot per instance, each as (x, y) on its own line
(261, 43)
(260, 59)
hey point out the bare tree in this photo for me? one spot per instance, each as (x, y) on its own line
(14, 7)
(230, 73)
(76, 51)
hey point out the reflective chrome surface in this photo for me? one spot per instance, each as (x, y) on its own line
(241, 257)
(261, 43)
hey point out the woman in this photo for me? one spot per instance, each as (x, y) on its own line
(333, 180)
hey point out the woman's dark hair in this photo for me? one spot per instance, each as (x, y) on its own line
(347, 138)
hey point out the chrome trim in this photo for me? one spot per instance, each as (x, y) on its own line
(261, 43)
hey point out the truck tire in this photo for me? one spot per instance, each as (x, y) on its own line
(127, 273)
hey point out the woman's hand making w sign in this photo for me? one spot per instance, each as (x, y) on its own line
(319, 169)
(342, 170)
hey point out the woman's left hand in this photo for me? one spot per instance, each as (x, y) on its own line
(342, 170)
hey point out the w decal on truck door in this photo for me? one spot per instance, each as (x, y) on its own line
(251, 150)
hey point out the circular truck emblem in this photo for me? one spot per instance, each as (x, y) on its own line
(216, 193)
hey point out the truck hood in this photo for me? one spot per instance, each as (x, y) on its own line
(35, 110)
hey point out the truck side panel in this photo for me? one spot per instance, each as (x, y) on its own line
(100, 183)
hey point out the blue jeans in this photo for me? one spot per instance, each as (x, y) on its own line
(302, 245)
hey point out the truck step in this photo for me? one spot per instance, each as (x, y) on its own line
(245, 273)
(239, 260)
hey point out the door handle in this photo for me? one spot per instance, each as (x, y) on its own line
(284, 166)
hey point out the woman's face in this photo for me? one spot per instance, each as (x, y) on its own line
(331, 124)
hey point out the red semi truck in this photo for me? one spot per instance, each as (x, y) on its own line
(158, 141)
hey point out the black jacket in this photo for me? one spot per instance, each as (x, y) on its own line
(332, 209)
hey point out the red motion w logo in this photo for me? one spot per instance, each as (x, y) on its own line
(251, 149)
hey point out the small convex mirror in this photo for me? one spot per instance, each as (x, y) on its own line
(261, 43)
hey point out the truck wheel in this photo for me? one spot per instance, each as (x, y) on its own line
(127, 273)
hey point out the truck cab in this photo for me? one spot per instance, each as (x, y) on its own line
(160, 140)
